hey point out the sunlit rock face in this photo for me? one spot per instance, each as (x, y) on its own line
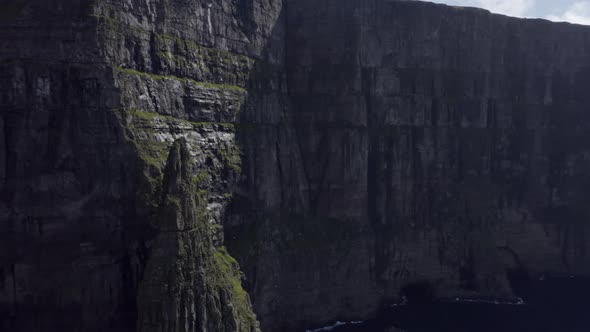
(341, 150)
(92, 96)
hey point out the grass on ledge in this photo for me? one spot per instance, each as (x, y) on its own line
(149, 116)
(208, 85)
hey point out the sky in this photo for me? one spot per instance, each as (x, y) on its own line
(574, 11)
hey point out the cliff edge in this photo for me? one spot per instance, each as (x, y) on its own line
(340, 150)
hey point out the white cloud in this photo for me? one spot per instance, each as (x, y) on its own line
(578, 12)
(519, 8)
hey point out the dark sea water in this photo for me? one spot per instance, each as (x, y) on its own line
(551, 304)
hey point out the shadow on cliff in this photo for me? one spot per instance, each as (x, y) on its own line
(280, 227)
(262, 129)
(291, 251)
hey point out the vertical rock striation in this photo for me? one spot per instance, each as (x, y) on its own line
(375, 144)
(92, 96)
(414, 143)
(188, 284)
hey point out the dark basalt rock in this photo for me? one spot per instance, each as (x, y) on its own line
(92, 96)
(187, 284)
(416, 142)
(341, 150)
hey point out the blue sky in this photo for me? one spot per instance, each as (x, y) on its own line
(575, 11)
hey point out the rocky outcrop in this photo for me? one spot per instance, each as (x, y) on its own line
(188, 284)
(92, 97)
(342, 150)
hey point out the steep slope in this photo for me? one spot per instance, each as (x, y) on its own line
(187, 284)
(92, 97)
(376, 144)
(418, 143)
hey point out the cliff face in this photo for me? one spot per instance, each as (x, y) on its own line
(348, 149)
(419, 143)
(95, 234)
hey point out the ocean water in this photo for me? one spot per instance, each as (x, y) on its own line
(549, 304)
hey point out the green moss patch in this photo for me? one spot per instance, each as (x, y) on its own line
(156, 77)
(226, 275)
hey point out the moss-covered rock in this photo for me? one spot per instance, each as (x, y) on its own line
(188, 284)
